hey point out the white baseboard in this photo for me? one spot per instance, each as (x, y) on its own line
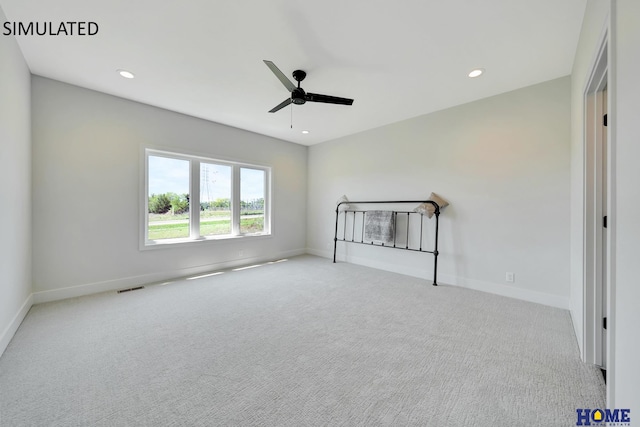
(478, 285)
(507, 291)
(145, 279)
(320, 253)
(13, 326)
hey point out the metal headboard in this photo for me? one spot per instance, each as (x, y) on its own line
(344, 238)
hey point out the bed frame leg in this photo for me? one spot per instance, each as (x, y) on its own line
(335, 236)
(435, 249)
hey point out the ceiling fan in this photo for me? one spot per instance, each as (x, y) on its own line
(298, 95)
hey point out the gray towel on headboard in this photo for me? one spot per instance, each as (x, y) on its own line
(379, 226)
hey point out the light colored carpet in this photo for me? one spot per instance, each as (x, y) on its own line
(297, 343)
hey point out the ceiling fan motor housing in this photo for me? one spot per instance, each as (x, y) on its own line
(298, 96)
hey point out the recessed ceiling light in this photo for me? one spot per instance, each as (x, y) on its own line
(476, 73)
(126, 74)
(305, 132)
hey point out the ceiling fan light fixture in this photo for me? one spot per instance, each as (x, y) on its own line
(126, 74)
(476, 73)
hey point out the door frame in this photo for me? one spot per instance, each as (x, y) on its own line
(595, 280)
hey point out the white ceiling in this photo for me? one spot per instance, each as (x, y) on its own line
(397, 59)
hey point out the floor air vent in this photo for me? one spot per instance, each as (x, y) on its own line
(130, 289)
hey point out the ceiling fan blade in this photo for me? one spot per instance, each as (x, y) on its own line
(285, 81)
(281, 105)
(316, 97)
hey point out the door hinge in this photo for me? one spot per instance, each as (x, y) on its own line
(604, 221)
(605, 120)
(604, 323)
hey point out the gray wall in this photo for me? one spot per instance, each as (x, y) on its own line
(87, 170)
(502, 162)
(15, 188)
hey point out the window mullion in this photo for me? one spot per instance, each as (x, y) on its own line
(267, 202)
(194, 200)
(235, 202)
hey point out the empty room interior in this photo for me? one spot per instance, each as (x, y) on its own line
(335, 213)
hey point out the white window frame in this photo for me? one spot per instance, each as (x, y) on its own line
(194, 200)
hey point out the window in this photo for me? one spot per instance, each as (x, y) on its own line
(215, 199)
(251, 200)
(189, 198)
(168, 204)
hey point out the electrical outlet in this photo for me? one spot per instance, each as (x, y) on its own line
(510, 277)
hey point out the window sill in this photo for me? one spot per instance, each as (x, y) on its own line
(179, 243)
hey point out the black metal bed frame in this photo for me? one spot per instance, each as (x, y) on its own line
(395, 219)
